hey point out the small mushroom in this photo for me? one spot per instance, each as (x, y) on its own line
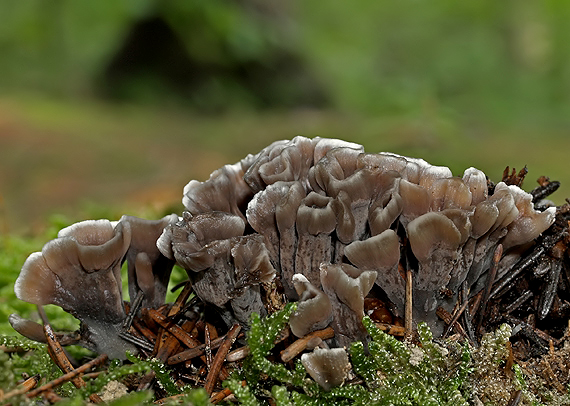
(450, 193)
(434, 240)
(314, 311)
(316, 220)
(190, 240)
(529, 223)
(148, 269)
(346, 287)
(477, 183)
(80, 271)
(328, 367)
(225, 191)
(381, 253)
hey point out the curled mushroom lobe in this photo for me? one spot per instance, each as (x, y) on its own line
(318, 220)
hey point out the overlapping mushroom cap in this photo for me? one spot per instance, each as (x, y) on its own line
(320, 203)
(80, 271)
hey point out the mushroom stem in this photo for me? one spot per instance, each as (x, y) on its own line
(409, 303)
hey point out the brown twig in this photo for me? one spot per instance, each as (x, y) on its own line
(224, 393)
(194, 352)
(392, 329)
(24, 387)
(456, 315)
(220, 357)
(56, 352)
(447, 318)
(68, 376)
(300, 345)
(181, 334)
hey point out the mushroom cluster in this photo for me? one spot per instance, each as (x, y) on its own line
(318, 220)
(329, 222)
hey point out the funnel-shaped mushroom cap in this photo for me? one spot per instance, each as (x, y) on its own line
(292, 163)
(477, 183)
(191, 239)
(148, 269)
(252, 176)
(449, 193)
(80, 272)
(27, 328)
(324, 145)
(328, 367)
(262, 213)
(505, 202)
(329, 175)
(316, 215)
(415, 201)
(484, 217)
(314, 311)
(377, 253)
(225, 191)
(434, 240)
(251, 260)
(529, 223)
(350, 284)
(430, 232)
(383, 214)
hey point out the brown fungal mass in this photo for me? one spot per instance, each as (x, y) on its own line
(338, 218)
(319, 202)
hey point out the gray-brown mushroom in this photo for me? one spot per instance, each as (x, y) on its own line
(328, 367)
(80, 271)
(148, 269)
(314, 311)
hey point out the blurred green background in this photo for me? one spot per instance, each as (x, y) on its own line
(107, 107)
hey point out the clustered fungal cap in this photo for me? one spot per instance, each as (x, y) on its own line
(319, 219)
(80, 271)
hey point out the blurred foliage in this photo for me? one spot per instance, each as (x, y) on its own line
(496, 59)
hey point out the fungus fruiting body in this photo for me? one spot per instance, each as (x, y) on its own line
(325, 207)
(317, 220)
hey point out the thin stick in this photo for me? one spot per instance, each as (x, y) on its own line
(24, 387)
(301, 344)
(137, 303)
(454, 319)
(194, 352)
(208, 349)
(409, 303)
(174, 329)
(392, 329)
(58, 355)
(238, 353)
(220, 357)
(218, 397)
(68, 376)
